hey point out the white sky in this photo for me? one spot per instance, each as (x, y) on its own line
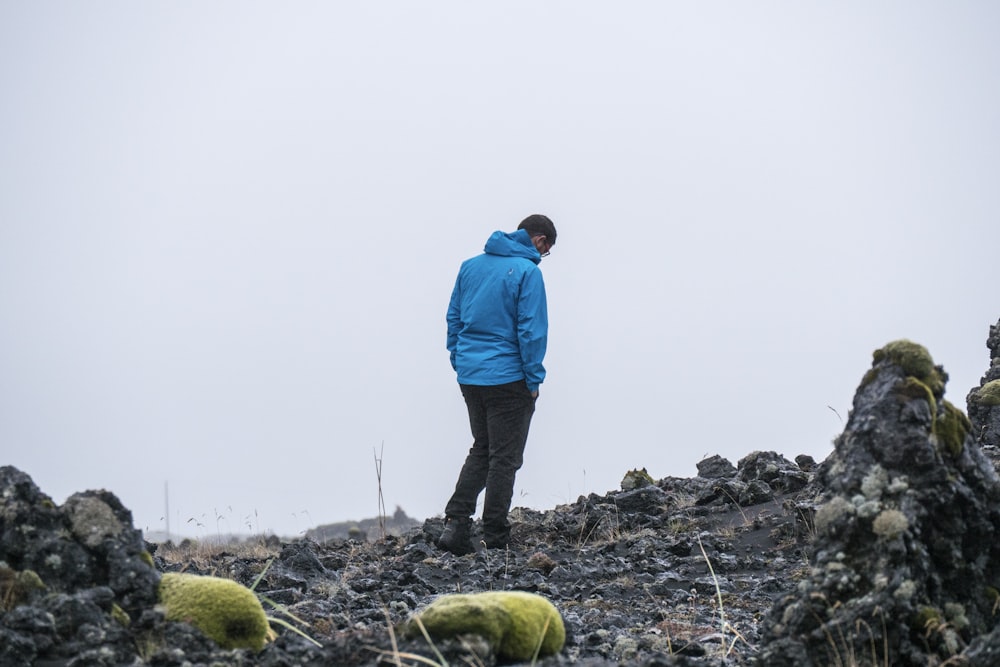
(229, 231)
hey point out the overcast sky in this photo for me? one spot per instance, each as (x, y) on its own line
(229, 232)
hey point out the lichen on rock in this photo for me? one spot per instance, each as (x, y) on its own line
(636, 479)
(92, 520)
(890, 524)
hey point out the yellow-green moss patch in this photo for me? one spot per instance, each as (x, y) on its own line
(915, 361)
(515, 623)
(120, 615)
(989, 393)
(951, 427)
(17, 587)
(225, 611)
(911, 387)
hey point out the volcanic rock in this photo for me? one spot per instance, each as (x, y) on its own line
(888, 548)
(906, 552)
(983, 402)
(91, 564)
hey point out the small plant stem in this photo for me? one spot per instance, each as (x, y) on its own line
(718, 593)
(381, 500)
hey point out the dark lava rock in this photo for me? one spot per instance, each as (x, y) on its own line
(983, 402)
(772, 469)
(805, 462)
(92, 570)
(887, 548)
(906, 553)
(715, 467)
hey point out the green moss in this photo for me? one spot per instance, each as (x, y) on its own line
(993, 595)
(225, 611)
(18, 587)
(927, 617)
(912, 388)
(989, 393)
(146, 558)
(915, 361)
(513, 622)
(951, 428)
(120, 615)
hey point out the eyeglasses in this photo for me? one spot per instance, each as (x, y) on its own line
(547, 245)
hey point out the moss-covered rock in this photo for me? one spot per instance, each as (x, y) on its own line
(121, 616)
(515, 623)
(915, 361)
(225, 611)
(989, 393)
(636, 479)
(912, 388)
(17, 587)
(951, 427)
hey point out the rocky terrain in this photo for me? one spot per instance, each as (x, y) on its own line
(886, 553)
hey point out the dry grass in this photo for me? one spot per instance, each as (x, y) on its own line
(204, 555)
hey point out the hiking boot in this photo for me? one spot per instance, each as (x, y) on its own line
(496, 538)
(457, 536)
(497, 543)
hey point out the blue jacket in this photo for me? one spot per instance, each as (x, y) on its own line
(498, 322)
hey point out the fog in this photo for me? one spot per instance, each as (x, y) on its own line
(229, 232)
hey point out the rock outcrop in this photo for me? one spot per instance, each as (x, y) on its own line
(366, 529)
(93, 576)
(906, 555)
(984, 401)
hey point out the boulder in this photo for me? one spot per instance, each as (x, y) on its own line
(775, 470)
(715, 467)
(89, 541)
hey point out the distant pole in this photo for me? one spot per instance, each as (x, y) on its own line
(166, 508)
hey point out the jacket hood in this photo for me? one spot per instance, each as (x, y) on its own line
(512, 244)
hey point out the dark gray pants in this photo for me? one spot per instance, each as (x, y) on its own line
(499, 416)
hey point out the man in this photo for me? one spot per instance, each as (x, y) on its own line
(497, 332)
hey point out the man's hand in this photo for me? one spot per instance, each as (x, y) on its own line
(534, 394)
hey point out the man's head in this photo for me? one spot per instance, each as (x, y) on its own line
(541, 230)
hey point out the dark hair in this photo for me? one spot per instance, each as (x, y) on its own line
(539, 225)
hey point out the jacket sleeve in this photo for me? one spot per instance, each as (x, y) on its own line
(454, 320)
(532, 328)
